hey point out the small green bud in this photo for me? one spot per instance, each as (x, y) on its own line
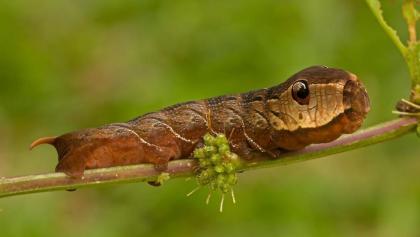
(209, 150)
(202, 180)
(224, 187)
(206, 176)
(219, 168)
(215, 158)
(208, 139)
(213, 185)
(221, 139)
(199, 153)
(208, 173)
(220, 179)
(204, 163)
(232, 179)
(234, 159)
(224, 148)
(163, 177)
(229, 168)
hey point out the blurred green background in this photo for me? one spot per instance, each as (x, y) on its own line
(66, 65)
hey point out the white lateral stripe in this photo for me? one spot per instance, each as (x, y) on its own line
(173, 131)
(137, 135)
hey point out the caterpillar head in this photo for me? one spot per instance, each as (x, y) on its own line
(317, 105)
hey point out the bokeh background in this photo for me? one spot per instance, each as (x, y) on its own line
(66, 65)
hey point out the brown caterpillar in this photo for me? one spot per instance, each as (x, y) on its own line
(316, 105)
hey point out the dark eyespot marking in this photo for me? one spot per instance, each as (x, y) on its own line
(253, 96)
(231, 97)
(258, 98)
(300, 92)
(274, 97)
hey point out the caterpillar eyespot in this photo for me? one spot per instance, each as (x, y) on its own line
(265, 120)
(300, 92)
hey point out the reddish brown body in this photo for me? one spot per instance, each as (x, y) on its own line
(284, 117)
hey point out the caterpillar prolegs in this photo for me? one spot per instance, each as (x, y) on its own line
(315, 105)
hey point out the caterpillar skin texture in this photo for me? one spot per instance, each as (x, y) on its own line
(316, 105)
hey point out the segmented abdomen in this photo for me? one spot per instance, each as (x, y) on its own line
(181, 127)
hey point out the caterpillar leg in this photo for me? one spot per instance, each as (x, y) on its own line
(161, 157)
(71, 166)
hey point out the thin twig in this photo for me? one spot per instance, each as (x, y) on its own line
(181, 168)
(375, 6)
(409, 12)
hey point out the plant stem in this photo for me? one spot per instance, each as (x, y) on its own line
(409, 12)
(375, 6)
(185, 167)
(411, 52)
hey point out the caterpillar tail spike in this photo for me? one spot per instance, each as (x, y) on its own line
(42, 140)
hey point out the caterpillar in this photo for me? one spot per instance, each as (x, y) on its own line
(315, 105)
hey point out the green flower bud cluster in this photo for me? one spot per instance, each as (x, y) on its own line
(218, 165)
(163, 177)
